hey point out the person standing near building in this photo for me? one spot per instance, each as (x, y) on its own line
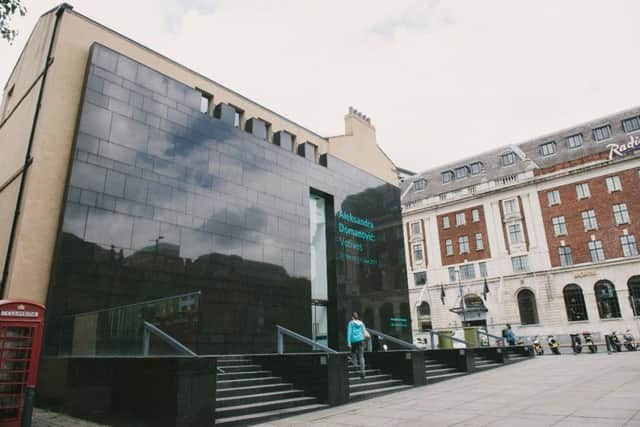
(509, 335)
(356, 337)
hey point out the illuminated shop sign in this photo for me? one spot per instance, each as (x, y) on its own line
(624, 149)
(354, 233)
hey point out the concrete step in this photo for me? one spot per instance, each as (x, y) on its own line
(431, 379)
(245, 382)
(245, 399)
(440, 371)
(224, 361)
(435, 365)
(368, 394)
(373, 385)
(242, 375)
(251, 419)
(371, 378)
(256, 407)
(253, 389)
(367, 372)
(241, 368)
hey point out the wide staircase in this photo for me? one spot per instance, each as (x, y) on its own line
(437, 371)
(247, 394)
(483, 363)
(375, 383)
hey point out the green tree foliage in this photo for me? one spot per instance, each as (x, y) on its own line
(8, 8)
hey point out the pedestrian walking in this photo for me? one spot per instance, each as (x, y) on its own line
(356, 339)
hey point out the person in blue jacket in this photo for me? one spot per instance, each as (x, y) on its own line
(356, 339)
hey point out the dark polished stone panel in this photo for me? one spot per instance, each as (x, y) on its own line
(179, 219)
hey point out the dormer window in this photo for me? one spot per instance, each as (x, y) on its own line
(419, 185)
(548, 149)
(601, 133)
(631, 124)
(447, 176)
(508, 158)
(476, 168)
(461, 172)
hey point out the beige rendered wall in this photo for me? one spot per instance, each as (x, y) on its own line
(358, 146)
(29, 272)
(16, 118)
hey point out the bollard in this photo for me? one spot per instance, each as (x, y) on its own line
(27, 409)
(607, 341)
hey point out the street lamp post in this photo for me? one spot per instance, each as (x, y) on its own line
(462, 303)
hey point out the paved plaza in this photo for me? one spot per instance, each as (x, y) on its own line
(567, 390)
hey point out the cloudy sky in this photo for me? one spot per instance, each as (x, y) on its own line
(440, 79)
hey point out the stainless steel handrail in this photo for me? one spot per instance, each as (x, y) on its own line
(282, 331)
(153, 329)
(390, 338)
(489, 336)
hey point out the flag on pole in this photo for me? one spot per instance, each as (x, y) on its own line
(442, 294)
(485, 291)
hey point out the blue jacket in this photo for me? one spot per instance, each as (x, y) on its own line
(355, 332)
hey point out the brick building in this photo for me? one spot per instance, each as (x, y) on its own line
(541, 234)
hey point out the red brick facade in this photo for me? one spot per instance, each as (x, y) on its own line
(469, 229)
(601, 201)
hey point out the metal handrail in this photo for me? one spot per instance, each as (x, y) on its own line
(389, 338)
(153, 329)
(489, 336)
(282, 331)
(452, 338)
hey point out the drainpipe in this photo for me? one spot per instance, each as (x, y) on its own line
(27, 157)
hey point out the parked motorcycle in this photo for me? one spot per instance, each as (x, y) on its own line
(537, 347)
(629, 343)
(615, 341)
(588, 341)
(553, 344)
(577, 343)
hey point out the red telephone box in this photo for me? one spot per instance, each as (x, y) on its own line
(21, 324)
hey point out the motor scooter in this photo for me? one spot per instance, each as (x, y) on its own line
(553, 344)
(588, 341)
(629, 343)
(577, 343)
(537, 347)
(615, 341)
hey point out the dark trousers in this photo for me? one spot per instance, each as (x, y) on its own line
(357, 355)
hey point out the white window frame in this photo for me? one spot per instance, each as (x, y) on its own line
(482, 269)
(589, 220)
(634, 121)
(595, 248)
(566, 256)
(479, 242)
(461, 219)
(467, 271)
(475, 215)
(559, 226)
(520, 263)
(448, 247)
(583, 191)
(452, 274)
(548, 149)
(572, 139)
(463, 244)
(419, 185)
(621, 214)
(515, 230)
(414, 247)
(613, 184)
(629, 245)
(598, 133)
(445, 222)
(510, 206)
(415, 233)
(553, 197)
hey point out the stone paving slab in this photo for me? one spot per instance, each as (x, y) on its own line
(584, 390)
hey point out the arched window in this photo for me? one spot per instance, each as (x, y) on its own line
(607, 299)
(424, 316)
(574, 303)
(634, 294)
(527, 307)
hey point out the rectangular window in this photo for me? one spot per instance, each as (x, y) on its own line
(475, 215)
(596, 251)
(467, 271)
(418, 255)
(415, 229)
(463, 244)
(582, 191)
(476, 168)
(205, 103)
(621, 214)
(237, 116)
(508, 158)
(601, 133)
(515, 234)
(520, 263)
(479, 242)
(559, 225)
(566, 258)
(461, 172)
(589, 220)
(510, 206)
(452, 274)
(613, 183)
(448, 247)
(445, 222)
(420, 278)
(629, 246)
(574, 141)
(553, 197)
(631, 124)
(482, 266)
(460, 219)
(447, 176)
(548, 149)
(419, 185)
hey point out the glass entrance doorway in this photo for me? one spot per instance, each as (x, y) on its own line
(319, 328)
(319, 282)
